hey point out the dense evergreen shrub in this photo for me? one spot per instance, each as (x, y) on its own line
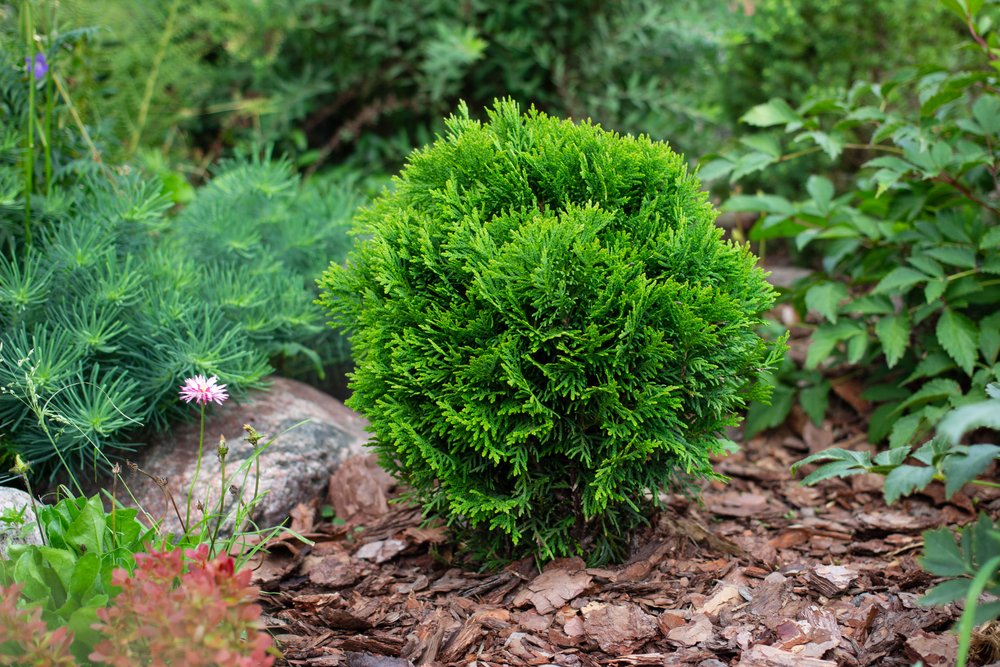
(548, 329)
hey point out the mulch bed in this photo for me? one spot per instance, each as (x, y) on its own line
(762, 573)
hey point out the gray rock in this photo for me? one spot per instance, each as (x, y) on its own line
(14, 500)
(294, 468)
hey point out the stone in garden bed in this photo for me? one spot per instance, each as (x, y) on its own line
(15, 500)
(294, 469)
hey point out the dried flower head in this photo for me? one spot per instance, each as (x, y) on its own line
(116, 468)
(253, 437)
(203, 390)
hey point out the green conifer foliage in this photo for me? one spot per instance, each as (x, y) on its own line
(548, 328)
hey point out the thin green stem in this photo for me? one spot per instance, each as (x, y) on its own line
(34, 508)
(29, 134)
(197, 469)
(47, 139)
(983, 482)
(147, 95)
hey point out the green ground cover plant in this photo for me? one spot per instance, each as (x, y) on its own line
(537, 310)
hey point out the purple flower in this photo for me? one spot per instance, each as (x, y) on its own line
(202, 390)
(40, 67)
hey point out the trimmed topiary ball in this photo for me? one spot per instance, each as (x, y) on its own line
(548, 329)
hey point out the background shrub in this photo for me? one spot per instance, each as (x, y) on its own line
(370, 79)
(905, 253)
(537, 311)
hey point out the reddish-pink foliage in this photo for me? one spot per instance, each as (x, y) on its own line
(166, 616)
(24, 638)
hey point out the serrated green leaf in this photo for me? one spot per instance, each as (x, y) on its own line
(824, 340)
(835, 469)
(862, 459)
(933, 364)
(961, 468)
(894, 334)
(927, 265)
(904, 429)
(906, 479)
(856, 348)
(991, 239)
(759, 204)
(815, 400)
(748, 164)
(962, 420)
(832, 144)
(715, 169)
(765, 143)
(945, 592)
(825, 299)
(938, 100)
(959, 337)
(986, 111)
(954, 255)
(774, 112)
(934, 289)
(941, 555)
(821, 190)
(899, 280)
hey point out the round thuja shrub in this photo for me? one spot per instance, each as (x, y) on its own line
(548, 329)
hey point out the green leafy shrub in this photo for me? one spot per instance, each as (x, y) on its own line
(907, 269)
(69, 578)
(548, 328)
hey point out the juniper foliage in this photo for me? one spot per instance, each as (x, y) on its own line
(548, 329)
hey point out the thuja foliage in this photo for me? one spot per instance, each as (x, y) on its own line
(548, 329)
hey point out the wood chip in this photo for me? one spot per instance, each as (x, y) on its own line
(619, 628)
(380, 551)
(698, 631)
(552, 589)
(935, 650)
(772, 656)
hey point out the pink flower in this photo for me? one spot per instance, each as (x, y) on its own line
(202, 391)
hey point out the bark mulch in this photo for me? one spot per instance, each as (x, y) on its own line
(761, 573)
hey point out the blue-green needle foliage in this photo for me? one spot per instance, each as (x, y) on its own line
(548, 328)
(116, 302)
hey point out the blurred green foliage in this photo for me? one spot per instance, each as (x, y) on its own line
(372, 78)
